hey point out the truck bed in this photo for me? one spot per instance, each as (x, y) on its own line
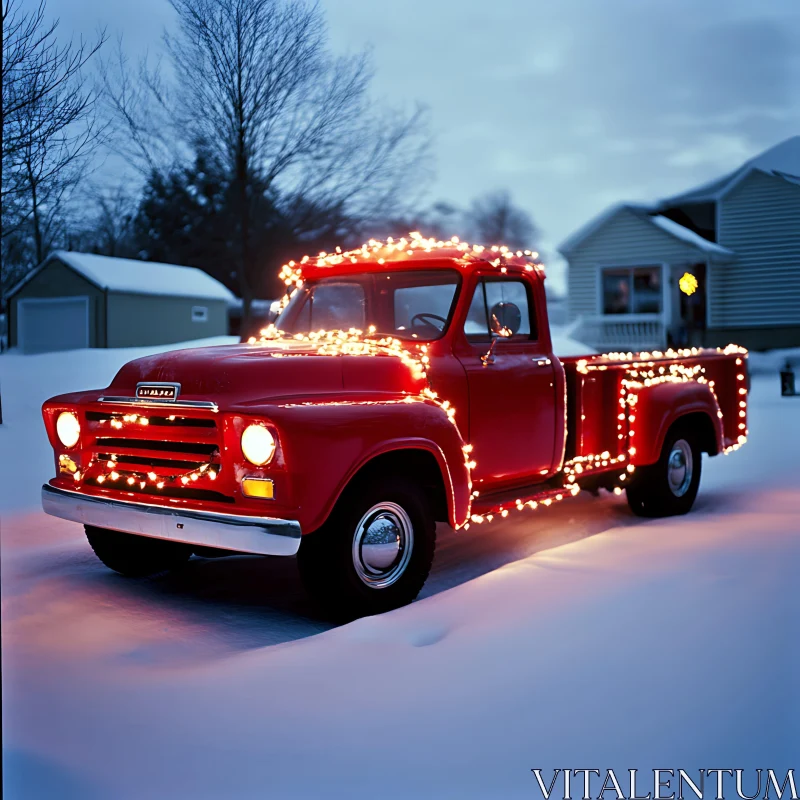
(602, 402)
(600, 391)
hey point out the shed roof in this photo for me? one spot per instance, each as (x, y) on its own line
(130, 276)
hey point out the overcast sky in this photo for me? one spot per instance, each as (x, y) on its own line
(570, 104)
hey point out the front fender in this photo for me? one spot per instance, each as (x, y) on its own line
(660, 406)
(325, 443)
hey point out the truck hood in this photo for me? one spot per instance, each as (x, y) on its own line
(249, 373)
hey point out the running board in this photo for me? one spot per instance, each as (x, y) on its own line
(516, 499)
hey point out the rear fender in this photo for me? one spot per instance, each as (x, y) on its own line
(659, 407)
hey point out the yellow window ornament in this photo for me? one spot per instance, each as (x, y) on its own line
(688, 283)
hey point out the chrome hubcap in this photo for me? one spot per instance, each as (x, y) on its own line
(679, 468)
(382, 545)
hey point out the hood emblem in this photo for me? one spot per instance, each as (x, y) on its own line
(158, 391)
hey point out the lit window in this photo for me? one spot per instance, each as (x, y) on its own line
(632, 290)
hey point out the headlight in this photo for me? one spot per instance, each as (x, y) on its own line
(68, 428)
(258, 444)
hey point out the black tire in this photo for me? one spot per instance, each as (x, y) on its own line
(136, 556)
(650, 493)
(330, 567)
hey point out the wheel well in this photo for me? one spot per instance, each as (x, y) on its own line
(421, 464)
(700, 424)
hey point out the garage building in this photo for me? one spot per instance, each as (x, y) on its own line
(73, 300)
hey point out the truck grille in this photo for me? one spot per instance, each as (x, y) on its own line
(163, 450)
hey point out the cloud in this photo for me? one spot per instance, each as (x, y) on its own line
(712, 149)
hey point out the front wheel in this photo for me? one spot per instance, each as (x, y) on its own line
(669, 486)
(136, 556)
(375, 551)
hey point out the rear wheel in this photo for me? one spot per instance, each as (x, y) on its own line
(375, 551)
(136, 556)
(669, 486)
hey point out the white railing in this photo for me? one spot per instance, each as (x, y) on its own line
(623, 332)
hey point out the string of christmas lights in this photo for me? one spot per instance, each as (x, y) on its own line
(114, 472)
(377, 251)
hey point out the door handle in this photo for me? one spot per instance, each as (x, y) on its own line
(542, 362)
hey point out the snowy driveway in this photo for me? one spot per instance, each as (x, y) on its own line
(574, 637)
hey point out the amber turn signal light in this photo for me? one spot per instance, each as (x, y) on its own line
(258, 487)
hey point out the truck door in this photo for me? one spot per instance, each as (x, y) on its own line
(511, 389)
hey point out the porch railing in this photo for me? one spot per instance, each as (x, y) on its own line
(621, 332)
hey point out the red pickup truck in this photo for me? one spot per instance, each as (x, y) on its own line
(403, 384)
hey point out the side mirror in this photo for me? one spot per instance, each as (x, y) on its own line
(505, 319)
(274, 310)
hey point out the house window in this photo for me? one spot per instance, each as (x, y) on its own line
(199, 313)
(632, 290)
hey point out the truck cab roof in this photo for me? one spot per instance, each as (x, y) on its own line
(414, 252)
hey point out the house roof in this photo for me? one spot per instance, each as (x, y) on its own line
(782, 160)
(645, 214)
(595, 223)
(131, 276)
(689, 236)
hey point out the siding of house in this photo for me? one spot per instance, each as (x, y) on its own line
(142, 320)
(58, 280)
(624, 240)
(760, 221)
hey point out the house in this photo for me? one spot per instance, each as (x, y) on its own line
(74, 300)
(717, 264)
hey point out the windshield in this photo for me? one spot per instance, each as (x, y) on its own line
(410, 304)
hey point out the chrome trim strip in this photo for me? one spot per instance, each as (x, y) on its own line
(266, 536)
(141, 401)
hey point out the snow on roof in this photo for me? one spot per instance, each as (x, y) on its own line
(688, 236)
(783, 160)
(644, 213)
(144, 277)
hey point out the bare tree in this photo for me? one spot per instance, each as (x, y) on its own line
(144, 129)
(49, 126)
(106, 222)
(494, 219)
(255, 84)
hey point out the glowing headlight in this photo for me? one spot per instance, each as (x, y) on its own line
(68, 428)
(258, 444)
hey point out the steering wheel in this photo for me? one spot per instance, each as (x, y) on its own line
(424, 317)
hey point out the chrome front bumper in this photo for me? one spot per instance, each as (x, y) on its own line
(260, 535)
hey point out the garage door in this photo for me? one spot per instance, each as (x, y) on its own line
(57, 323)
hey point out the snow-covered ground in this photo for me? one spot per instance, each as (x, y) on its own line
(578, 636)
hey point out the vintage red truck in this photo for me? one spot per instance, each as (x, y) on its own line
(403, 384)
